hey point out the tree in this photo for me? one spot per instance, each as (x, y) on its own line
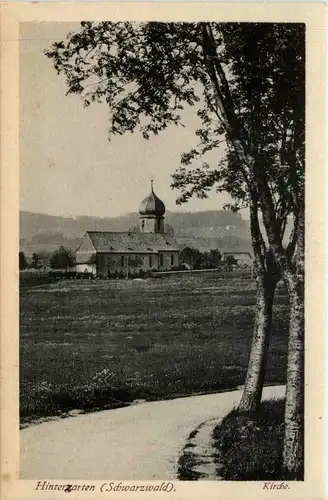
(230, 261)
(192, 257)
(44, 258)
(268, 158)
(35, 264)
(259, 162)
(247, 83)
(212, 259)
(23, 264)
(195, 259)
(62, 258)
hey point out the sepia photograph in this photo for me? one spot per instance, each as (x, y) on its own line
(183, 318)
(162, 197)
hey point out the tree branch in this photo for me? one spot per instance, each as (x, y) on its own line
(290, 249)
(258, 243)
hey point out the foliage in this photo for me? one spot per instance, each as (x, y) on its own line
(35, 263)
(192, 257)
(262, 64)
(40, 260)
(142, 71)
(44, 258)
(62, 258)
(195, 259)
(229, 260)
(212, 259)
(247, 84)
(246, 81)
(23, 264)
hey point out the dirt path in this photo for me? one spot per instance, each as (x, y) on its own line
(139, 442)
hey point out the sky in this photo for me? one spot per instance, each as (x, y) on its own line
(67, 164)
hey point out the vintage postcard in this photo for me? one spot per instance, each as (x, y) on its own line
(162, 250)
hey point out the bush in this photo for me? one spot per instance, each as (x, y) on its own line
(249, 445)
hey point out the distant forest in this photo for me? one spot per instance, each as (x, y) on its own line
(221, 229)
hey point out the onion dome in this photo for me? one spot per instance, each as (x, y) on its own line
(152, 205)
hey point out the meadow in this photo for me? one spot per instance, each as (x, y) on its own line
(92, 345)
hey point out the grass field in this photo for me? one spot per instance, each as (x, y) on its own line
(99, 344)
(29, 278)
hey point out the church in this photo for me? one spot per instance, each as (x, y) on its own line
(108, 253)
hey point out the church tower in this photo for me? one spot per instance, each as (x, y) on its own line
(152, 211)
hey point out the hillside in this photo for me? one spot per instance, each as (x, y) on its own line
(204, 230)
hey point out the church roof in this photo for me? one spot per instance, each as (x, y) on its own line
(117, 242)
(152, 205)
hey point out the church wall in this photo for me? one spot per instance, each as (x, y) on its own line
(104, 264)
(167, 260)
(175, 259)
(113, 263)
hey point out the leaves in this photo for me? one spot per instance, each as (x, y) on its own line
(246, 82)
(142, 71)
(62, 258)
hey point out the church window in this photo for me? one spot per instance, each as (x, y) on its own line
(150, 261)
(172, 259)
(143, 224)
(122, 261)
(161, 259)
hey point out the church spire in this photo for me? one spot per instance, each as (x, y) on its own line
(151, 211)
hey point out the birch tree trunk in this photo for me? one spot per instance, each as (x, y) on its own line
(293, 454)
(253, 387)
(267, 277)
